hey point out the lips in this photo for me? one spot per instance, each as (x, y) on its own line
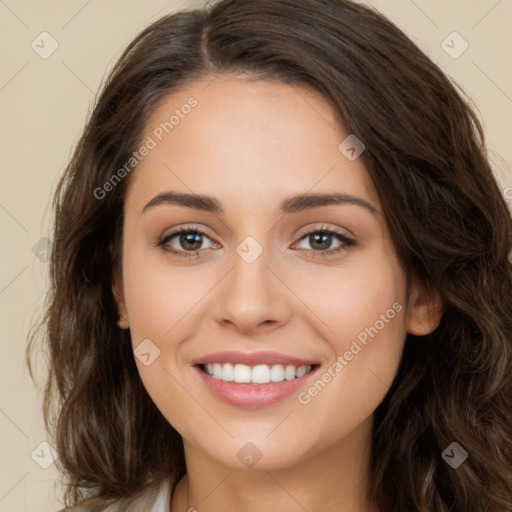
(253, 359)
(253, 380)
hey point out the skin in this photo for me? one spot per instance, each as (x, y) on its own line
(251, 144)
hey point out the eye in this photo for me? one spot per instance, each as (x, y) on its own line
(321, 242)
(185, 242)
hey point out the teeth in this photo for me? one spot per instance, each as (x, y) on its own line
(289, 372)
(259, 374)
(277, 373)
(228, 373)
(301, 371)
(241, 373)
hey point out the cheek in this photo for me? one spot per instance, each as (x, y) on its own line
(372, 327)
(351, 298)
(158, 304)
(163, 302)
(158, 295)
(364, 309)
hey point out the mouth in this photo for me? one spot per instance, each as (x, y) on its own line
(254, 380)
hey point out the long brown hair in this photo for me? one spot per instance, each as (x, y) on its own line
(449, 223)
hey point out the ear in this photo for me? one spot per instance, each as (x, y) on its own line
(424, 311)
(118, 292)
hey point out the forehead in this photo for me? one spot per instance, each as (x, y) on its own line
(248, 140)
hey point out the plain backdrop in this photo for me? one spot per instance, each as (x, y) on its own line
(44, 103)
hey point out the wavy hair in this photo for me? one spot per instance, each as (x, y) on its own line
(449, 223)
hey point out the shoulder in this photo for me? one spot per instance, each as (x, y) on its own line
(154, 499)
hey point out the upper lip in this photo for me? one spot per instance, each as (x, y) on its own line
(252, 359)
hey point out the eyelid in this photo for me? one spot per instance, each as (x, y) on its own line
(188, 227)
(325, 227)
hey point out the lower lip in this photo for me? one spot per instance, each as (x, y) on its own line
(253, 396)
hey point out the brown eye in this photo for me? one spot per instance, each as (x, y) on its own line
(185, 242)
(322, 241)
(190, 241)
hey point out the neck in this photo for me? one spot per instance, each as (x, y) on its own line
(333, 480)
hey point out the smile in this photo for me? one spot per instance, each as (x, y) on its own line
(254, 380)
(258, 374)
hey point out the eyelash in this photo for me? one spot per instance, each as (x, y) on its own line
(344, 239)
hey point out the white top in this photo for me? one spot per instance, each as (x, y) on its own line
(147, 502)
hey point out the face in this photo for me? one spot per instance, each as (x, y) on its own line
(266, 305)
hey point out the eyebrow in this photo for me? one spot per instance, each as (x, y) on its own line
(292, 204)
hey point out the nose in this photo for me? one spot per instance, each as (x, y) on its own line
(253, 297)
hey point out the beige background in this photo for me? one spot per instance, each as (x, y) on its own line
(43, 106)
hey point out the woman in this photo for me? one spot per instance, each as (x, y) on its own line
(280, 275)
